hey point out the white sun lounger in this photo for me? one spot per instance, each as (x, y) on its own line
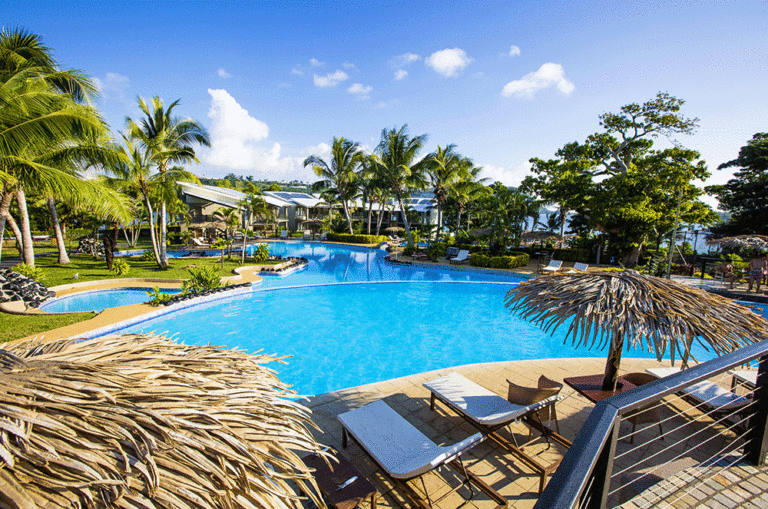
(401, 450)
(578, 267)
(462, 257)
(489, 412)
(554, 266)
(709, 395)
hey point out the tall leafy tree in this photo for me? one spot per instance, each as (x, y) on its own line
(340, 174)
(400, 172)
(167, 140)
(746, 195)
(620, 184)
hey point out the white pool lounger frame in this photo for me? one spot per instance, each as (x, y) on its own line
(405, 453)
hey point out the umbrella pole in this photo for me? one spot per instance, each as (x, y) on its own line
(612, 369)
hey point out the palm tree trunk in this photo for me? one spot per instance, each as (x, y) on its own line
(379, 219)
(346, 214)
(16, 233)
(5, 207)
(163, 236)
(370, 215)
(63, 257)
(439, 219)
(28, 254)
(152, 236)
(405, 219)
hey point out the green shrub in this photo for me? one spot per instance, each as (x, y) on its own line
(499, 262)
(409, 250)
(158, 297)
(32, 271)
(120, 267)
(698, 274)
(261, 253)
(437, 250)
(356, 239)
(148, 255)
(201, 279)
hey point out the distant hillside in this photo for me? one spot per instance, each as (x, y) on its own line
(233, 181)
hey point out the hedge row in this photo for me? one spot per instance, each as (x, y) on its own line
(499, 262)
(568, 255)
(356, 239)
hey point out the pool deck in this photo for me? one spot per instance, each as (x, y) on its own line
(738, 486)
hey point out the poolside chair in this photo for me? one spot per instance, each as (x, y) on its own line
(451, 252)
(283, 234)
(307, 235)
(708, 396)
(405, 453)
(578, 267)
(462, 257)
(554, 266)
(323, 236)
(649, 413)
(199, 242)
(490, 413)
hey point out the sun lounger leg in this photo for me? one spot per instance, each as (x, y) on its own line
(344, 437)
(432, 402)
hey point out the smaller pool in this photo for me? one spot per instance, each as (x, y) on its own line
(99, 300)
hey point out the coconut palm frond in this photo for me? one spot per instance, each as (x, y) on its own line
(142, 421)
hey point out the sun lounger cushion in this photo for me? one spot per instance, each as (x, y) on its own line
(401, 449)
(478, 403)
(705, 392)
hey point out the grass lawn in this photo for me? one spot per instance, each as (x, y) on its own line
(19, 326)
(91, 269)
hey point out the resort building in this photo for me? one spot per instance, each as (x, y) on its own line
(293, 210)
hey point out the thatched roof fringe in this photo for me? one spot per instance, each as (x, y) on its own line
(142, 421)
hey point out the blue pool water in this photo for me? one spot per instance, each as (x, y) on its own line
(99, 300)
(349, 318)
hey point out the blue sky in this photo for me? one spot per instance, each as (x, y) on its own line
(505, 81)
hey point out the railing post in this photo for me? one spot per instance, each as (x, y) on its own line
(757, 443)
(601, 475)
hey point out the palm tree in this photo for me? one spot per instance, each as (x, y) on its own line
(445, 168)
(340, 175)
(134, 169)
(167, 139)
(469, 188)
(47, 130)
(396, 154)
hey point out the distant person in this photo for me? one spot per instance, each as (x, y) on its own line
(726, 269)
(757, 268)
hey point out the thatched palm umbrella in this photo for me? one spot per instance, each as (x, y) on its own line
(629, 309)
(752, 241)
(394, 229)
(141, 421)
(539, 236)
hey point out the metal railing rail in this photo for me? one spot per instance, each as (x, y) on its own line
(584, 475)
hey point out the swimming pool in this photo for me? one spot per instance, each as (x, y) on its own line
(351, 319)
(98, 300)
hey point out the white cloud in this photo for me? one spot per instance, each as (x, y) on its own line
(448, 62)
(315, 62)
(514, 51)
(348, 65)
(235, 137)
(297, 71)
(330, 80)
(400, 74)
(387, 104)
(360, 90)
(405, 59)
(233, 132)
(547, 76)
(507, 176)
(223, 73)
(113, 86)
